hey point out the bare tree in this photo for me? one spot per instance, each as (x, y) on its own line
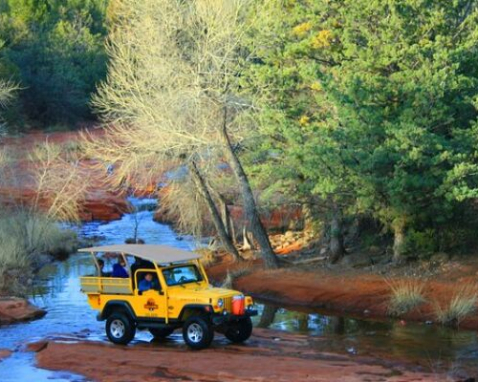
(60, 183)
(187, 200)
(170, 92)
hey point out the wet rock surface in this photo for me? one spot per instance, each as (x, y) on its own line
(13, 309)
(267, 356)
(4, 353)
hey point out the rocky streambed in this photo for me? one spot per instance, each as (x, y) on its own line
(300, 345)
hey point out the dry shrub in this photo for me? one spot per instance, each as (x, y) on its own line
(59, 180)
(183, 204)
(405, 296)
(208, 256)
(233, 275)
(462, 304)
(23, 237)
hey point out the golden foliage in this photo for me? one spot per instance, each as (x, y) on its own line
(323, 39)
(304, 120)
(302, 29)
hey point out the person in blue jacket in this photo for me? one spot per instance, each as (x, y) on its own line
(119, 269)
(146, 283)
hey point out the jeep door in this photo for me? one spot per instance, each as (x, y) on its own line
(150, 303)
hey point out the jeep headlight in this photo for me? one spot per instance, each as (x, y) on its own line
(220, 303)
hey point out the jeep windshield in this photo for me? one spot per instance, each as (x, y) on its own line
(182, 274)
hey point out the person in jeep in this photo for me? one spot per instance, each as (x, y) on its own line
(146, 283)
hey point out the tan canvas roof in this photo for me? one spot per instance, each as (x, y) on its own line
(156, 253)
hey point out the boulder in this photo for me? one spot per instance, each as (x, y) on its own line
(4, 353)
(13, 309)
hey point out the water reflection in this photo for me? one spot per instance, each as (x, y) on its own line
(434, 347)
(267, 316)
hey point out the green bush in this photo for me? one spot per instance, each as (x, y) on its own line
(421, 243)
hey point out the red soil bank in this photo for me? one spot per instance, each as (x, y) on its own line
(349, 292)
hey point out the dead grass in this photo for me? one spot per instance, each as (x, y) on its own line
(208, 256)
(406, 295)
(23, 237)
(462, 304)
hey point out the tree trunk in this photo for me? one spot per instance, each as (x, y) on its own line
(216, 218)
(398, 227)
(308, 218)
(337, 249)
(226, 217)
(311, 219)
(247, 242)
(250, 208)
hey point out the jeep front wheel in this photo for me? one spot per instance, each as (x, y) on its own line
(161, 332)
(120, 329)
(198, 333)
(239, 331)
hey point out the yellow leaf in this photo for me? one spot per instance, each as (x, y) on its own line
(302, 29)
(322, 39)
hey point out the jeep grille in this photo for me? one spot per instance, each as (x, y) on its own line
(228, 304)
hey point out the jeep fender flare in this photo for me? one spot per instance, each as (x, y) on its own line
(204, 308)
(114, 306)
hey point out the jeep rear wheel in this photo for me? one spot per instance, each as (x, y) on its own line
(120, 329)
(161, 332)
(239, 331)
(198, 333)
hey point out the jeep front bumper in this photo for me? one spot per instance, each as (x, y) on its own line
(219, 319)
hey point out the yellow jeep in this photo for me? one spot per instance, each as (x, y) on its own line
(167, 289)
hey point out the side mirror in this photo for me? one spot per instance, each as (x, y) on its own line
(161, 293)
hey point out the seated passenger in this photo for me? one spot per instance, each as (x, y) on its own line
(139, 264)
(102, 272)
(119, 269)
(146, 283)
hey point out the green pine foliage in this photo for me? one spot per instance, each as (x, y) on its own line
(55, 51)
(372, 103)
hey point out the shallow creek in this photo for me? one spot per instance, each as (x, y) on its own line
(70, 318)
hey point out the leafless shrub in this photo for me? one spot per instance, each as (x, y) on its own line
(60, 183)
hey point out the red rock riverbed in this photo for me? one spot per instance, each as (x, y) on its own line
(268, 356)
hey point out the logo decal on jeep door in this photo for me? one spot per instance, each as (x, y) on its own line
(151, 305)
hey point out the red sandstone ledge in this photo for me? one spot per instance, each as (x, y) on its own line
(267, 356)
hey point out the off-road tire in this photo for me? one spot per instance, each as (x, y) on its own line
(198, 332)
(120, 329)
(239, 331)
(161, 332)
